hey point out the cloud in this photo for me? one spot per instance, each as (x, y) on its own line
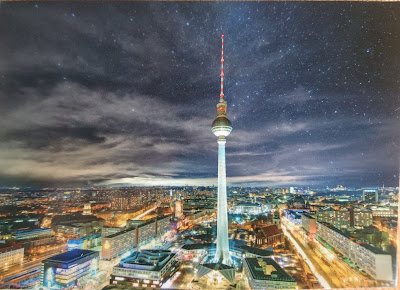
(126, 94)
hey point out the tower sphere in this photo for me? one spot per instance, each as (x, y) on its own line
(221, 126)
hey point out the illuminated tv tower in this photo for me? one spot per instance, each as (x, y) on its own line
(222, 127)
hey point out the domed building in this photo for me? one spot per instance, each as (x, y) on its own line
(298, 203)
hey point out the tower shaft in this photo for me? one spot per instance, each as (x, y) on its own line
(222, 252)
(222, 127)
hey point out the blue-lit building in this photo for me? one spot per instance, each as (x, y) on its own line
(294, 216)
(32, 234)
(85, 243)
(72, 268)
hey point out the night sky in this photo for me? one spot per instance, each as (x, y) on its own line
(125, 93)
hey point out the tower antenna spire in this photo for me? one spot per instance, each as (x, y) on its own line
(222, 69)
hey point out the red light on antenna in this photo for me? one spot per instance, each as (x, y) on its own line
(222, 36)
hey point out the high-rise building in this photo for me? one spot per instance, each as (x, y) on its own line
(69, 269)
(120, 202)
(118, 243)
(370, 195)
(178, 209)
(372, 260)
(345, 218)
(87, 209)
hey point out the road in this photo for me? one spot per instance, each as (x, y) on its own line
(335, 272)
(26, 265)
(181, 279)
(145, 213)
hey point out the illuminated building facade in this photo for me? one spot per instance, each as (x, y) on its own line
(78, 226)
(69, 269)
(372, 260)
(11, 254)
(163, 224)
(135, 235)
(345, 218)
(370, 195)
(178, 209)
(120, 203)
(265, 273)
(269, 235)
(87, 209)
(299, 204)
(118, 243)
(309, 223)
(248, 208)
(145, 232)
(381, 211)
(30, 234)
(146, 268)
(361, 217)
(31, 244)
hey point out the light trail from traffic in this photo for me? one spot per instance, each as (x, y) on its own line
(320, 279)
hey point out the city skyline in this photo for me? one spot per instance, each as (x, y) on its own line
(126, 97)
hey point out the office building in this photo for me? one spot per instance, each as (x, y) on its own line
(11, 254)
(74, 226)
(118, 243)
(163, 224)
(145, 232)
(69, 269)
(87, 209)
(178, 209)
(370, 196)
(146, 268)
(383, 211)
(345, 218)
(372, 260)
(248, 208)
(85, 243)
(294, 216)
(361, 217)
(265, 273)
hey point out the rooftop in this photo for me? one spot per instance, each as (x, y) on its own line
(248, 204)
(151, 221)
(198, 246)
(308, 216)
(267, 269)
(6, 246)
(255, 251)
(150, 260)
(70, 256)
(347, 235)
(271, 230)
(120, 233)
